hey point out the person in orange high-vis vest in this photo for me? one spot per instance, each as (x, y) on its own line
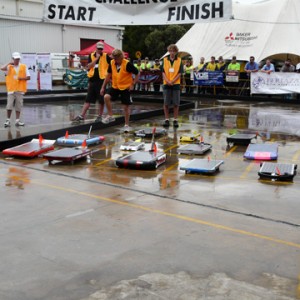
(97, 69)
(16, 84)
(172, 69)
(123, 76)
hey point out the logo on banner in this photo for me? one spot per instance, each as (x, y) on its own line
(201, 75)
(258, 82)
(230, 37)
(240, 39)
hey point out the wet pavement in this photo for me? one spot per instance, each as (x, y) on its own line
(90, 230)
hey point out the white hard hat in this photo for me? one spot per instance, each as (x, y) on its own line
(16, 55)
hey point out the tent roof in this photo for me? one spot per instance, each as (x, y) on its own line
(262, 29)
(107, 49)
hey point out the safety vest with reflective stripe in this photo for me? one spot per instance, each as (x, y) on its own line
(12, 83)
(121, 80)
(175, 67)
(102, 66)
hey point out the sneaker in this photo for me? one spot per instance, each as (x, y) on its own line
(7, 123)
(108, 119)
(175, 123)
(78, 118)
(19, 123)
(126, 128)
(99, 118)
(166, 123)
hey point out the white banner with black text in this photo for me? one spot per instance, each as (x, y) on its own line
(275, 83)
(136, 12)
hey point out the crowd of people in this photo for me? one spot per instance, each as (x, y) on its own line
(232, 67)
(112, 77)
(241, 71)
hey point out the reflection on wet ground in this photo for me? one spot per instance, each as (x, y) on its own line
(39, 117)
(212, 122)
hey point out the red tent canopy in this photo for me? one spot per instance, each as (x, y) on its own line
(107, 49)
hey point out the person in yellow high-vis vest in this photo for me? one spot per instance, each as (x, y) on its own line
(16, 84)
(97, 69)
(172, 69)
(123, 76)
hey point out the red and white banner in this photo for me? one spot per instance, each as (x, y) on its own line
(136, 12)
(275, 83)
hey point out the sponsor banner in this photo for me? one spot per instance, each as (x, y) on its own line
(275, 83)
(150, 76)
(232, 76)
(208, 78)
(136, 12)
(29, 59)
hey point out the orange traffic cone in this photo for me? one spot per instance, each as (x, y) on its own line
(83, 144)
(41, 139)
(154, 147)
(67, 134)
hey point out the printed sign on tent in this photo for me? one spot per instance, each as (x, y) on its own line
(136, 12)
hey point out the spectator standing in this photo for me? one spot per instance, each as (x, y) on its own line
(234, 65)
(287, 67)
(120, 72)
(17, 75)
(156, 69)
(221, 67)
(268, 67)
(188, 72)
(201, 65)
(156, 65)
(251, 66)
(138, 65)
(221, 64)
(200, 68)
(172, 70)
(145, 67)
(212, 65)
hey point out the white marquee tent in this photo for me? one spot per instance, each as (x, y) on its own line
(267, 28)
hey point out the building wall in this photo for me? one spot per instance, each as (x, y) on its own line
(32, 9)
(22, 29)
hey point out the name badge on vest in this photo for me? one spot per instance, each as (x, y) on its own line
(171, 70)
(96, 65)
